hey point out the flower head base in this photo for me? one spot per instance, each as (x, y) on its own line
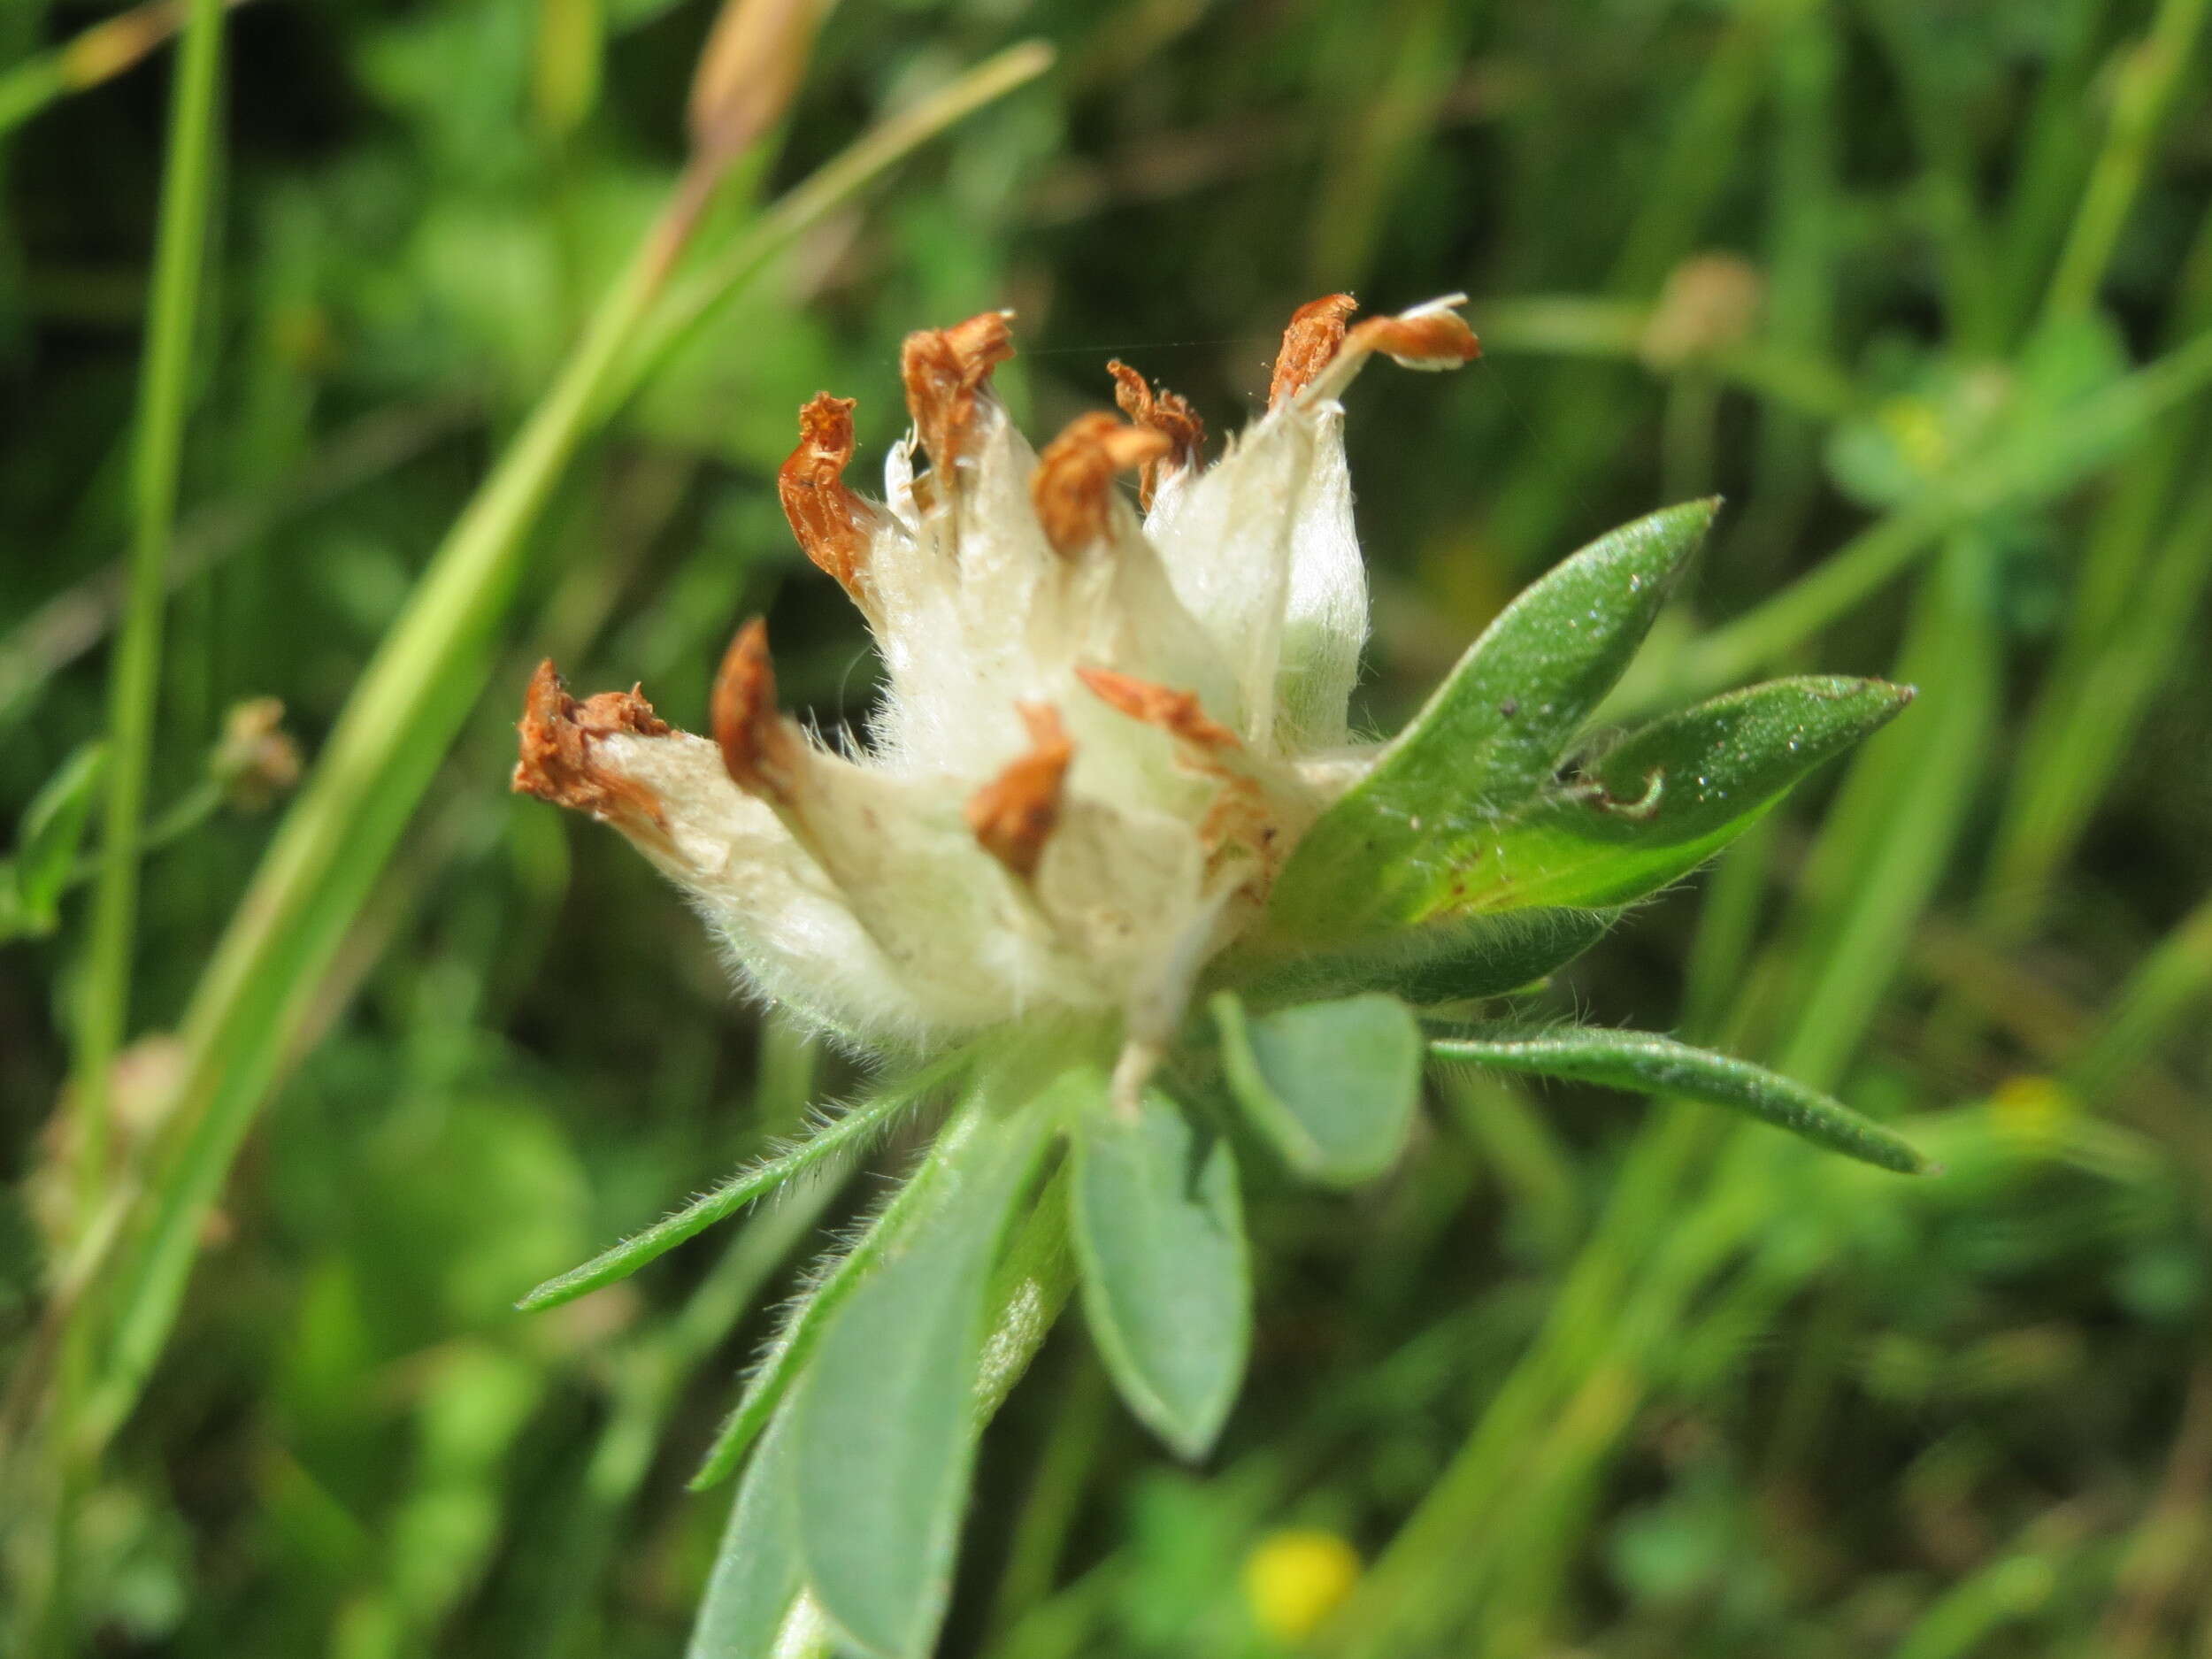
(1103, 733)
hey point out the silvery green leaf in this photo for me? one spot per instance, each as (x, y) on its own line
(1159, 1235)
(807, 1317)
(755, 1591)
(1332, 1086)
(833, 1142)
(883, 1421)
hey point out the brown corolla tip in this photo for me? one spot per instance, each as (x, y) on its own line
(759, 751)
(1014, 815)
(556, 763)
(1073, 489)
(945, 369)
(1437, 339)
(1175, 712)
(1311, 339)
(1167, 413)
(830, 522)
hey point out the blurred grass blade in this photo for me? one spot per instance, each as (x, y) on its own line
(2080, 733)
(94, 57)
(402, 715)
(1166, 1276)
(843, 1136)
(1646, 1063)
(2165, 988)
(884, 1428)
(566, 64)
(2149, 76)
(693, 302)
(1490, 736)
(52, 829)
(2052, 462)
(165, 394)
(1894, 826)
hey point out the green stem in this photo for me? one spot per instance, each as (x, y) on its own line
(102, 1014)
(2149, 78)
(134, 682)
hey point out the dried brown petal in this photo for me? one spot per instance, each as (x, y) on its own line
(1167, 413)
(1073, 485)
(556, 763)
(1313, 337)
(1015, 814)
(1175, 712)
(945, 369)
(759, 750)
(1432, 340)
(830, 520)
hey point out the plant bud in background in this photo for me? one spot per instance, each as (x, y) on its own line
(749, 72)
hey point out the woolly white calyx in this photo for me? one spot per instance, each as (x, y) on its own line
(1101, 734)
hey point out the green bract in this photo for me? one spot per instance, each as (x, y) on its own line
(1332, 917)
(1159, 1234)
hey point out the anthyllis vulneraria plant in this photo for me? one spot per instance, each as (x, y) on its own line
(1113, 872)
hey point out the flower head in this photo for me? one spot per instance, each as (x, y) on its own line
(1103, 729)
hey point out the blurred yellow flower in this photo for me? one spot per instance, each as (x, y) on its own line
(1296, 1578)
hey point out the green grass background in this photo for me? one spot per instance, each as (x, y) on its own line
(1923, 287)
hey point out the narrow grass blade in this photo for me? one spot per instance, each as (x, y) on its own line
(1646, 1063)
(2017, 475)
(846, 1133)
(134, 679)
(46, 843)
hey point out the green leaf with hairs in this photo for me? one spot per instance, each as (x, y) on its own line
(1450, 960)
(1387, 852)
(1644, 1062)
(832, 1145)
(883, 1422)
(752, 1595)
(1671, 795)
